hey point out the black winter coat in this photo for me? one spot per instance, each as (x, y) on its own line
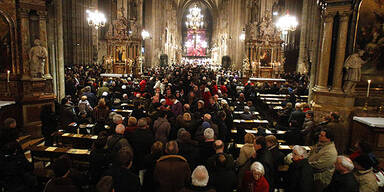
(300, 177)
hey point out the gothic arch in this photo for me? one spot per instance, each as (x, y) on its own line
(186, 3)
(12, 33)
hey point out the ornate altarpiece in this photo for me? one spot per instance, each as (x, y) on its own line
(264, 50)
(123, 44)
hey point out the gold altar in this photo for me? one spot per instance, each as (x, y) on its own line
(265, 56)
(123, 46)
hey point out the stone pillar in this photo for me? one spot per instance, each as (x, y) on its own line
(60, 50)
(43, 39)
(340, 53)
(25, 42)
(301, 63)
(325, 51)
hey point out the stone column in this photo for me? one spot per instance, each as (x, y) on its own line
(340, 52)
(60, 50)
(43, 38)
(325, 51)
(301, 67)
(25, 42)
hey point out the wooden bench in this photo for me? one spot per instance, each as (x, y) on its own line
(80, 141)
(49, 154)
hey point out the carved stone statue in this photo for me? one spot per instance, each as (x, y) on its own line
(353, 71)
(37, 58)
(254, 11)
(246, 67)
(252, 30)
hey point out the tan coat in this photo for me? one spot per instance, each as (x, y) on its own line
(367, 181)
(246, 152)
(322, 159)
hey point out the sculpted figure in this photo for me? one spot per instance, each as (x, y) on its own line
(37, 58)
(353, 71)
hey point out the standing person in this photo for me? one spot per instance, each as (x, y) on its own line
(100, 115)
(68, 114)
(141, 140)
(343, 179)
(246, 152)
(254, 180)
(300, 173)
(309, 127)
(123, 178)
(364, 174)
(264, 156)
(297, 117)
(200, 179)
(172, 171)
(339, 131)
(162, 128)
(48, 124)
(322, 159)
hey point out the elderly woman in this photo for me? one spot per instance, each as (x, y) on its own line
(300, 173)
(200, 179)
(254, 180)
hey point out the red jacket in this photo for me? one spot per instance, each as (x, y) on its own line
(142, 85)
(251, 185)
(223, 89)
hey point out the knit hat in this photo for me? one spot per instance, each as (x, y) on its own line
(162, 100)
(205, 125)
(364, 161)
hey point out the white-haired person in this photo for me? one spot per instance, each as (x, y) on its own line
(300, 173)
(206, 147)
(117, 141)
(200, 180)
(254, 180)
(343, 178)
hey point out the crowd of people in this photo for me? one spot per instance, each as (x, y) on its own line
(178, 137)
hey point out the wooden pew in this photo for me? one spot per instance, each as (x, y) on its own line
(248, 122)
(80, 157)
(284, 148)
(80, 141)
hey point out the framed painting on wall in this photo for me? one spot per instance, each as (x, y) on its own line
(120, 54)
(265, 57)
(370, 38)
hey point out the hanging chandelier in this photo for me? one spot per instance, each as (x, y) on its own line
(96, 19)
(195, 18)
(287, 23)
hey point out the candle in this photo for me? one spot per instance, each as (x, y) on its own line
(369, 86)
(8, 73)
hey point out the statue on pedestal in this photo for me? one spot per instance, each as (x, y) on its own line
(353, 71)
(37, 59)
(246, 67)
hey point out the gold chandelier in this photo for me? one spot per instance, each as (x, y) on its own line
(195, 18)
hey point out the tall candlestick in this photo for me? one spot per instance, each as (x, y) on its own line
(369, 86)
(8, 74)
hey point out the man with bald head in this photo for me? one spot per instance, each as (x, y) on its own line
(218, 146)
(117, 141)
(343, 179)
